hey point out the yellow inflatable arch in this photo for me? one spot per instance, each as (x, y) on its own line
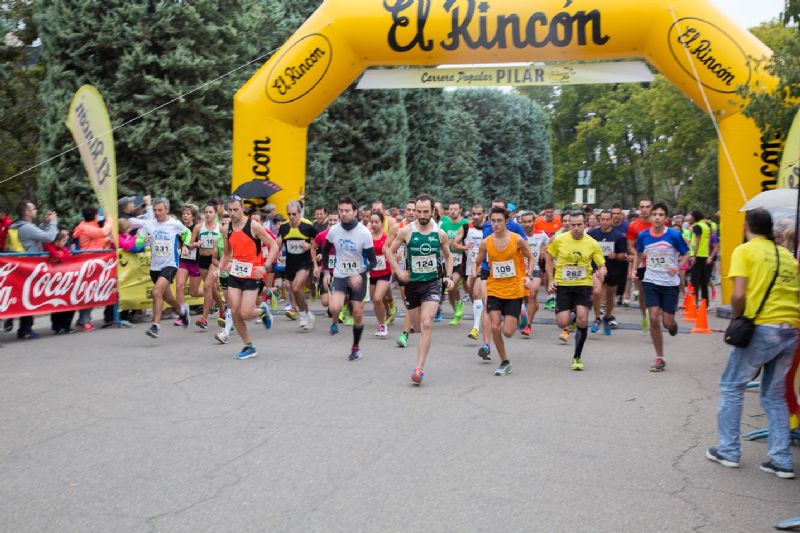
(691, 42)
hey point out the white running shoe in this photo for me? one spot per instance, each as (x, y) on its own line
(310, 319)
(382, 332)
(303, 319)
(222, 337)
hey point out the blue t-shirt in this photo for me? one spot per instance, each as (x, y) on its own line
(512, 225)
(662, 254)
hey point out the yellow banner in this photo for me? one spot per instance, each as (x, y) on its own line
(789, 176)
(91, 128)
(135, 286)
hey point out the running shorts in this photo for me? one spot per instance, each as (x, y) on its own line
(245, 284)
(662, 296)
(418, 292)
(484, 275)
(191, 267)
(506, 307)
(292, 271)
(569, 297)
(374, 281)
(356, 294)
(168, 273)
(204, 262)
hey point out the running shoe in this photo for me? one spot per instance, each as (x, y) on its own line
(783, 473)
(659, 365)
(382, 332)
(303, 319)
(473, 334)
(485, 352)
(222, 337)
(32, 336)
(612, 321)
(291, 313)
(402, 339)
(266, 316)
(438, 317)
(503, 370)
(417, 376)
(526, 331)
(248, 352)
(577, 363)
(606, 327)
(355, 354)
(596, 325)
(550, 304)
(564, 336)
(392, 314)
(310, 319)
(626, 302)
(523, 321)
(645, 323)
(712, 454)
(458, 314)
(201, 323)
(349, 321)
(334, 329)
(153, 331)
(184, 316)
(178, 322)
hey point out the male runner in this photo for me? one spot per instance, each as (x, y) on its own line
(573, 253)
(665, 252)
(424, 244)
(538, 241)
(634, 229)
(168, 237)
(244, 262)
(353, 243)
(468, 241)
(615, 249)
(548, 222)
(316, 251)
(320, 218)
(506, 285)
(452, 225)
(296, 236)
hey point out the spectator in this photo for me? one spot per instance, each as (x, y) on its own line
(61, 321)
(5, 223)
(91, 237)
(32, 237)
(127, 207)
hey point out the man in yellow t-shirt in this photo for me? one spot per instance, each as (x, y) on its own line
(753, 267)
(571, 254)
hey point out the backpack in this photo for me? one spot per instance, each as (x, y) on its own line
(13, 244)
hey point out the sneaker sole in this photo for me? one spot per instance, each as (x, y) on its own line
(151, 334)
(782, 475)
(723, 462)
(486, 356)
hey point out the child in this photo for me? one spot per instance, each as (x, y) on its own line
(61, 321)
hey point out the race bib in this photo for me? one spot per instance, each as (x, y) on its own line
(295, 247)
(503, 269)
(573, 273)
(161, 249)
(208, 242)
(658, 261)
(607, 247)
(381, 264)
(191, 255)
(331, 262)
(457, 258)
(423, 264)
(349, 266)
(241, 269)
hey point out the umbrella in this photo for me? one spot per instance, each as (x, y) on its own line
(774, 199)
(257, 189)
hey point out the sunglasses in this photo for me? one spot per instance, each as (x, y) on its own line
(234, 198)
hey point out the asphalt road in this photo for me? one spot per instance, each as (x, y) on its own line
(114, 431)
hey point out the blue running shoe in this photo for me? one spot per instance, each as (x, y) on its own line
(606, 327)
(596, 325)
(484, 352)
(523, 321)
(334, 329)
(438, 317)
(266, 316)
(248, 352)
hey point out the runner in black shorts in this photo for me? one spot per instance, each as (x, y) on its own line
(296, 236)
(614, 246)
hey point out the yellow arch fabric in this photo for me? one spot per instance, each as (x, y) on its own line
(681, 38)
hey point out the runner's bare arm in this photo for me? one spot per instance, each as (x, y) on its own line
(458, 242)
(448, 258)
(227, 255)
(524, 247)
(479, 259)
(195, 233)
(390, 251)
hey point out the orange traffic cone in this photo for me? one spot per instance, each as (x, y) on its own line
(690, 315)
(689, 292)
(701, 326)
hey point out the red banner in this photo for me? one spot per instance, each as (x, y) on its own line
(39, 285)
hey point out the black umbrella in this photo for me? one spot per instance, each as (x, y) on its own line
(257, 189)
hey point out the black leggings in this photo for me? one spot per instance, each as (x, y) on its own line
(701, 274)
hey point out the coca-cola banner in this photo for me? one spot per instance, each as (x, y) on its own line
(40, 285)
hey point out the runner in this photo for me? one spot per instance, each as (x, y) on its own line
(389, 223)
(424, 245)
(316, 251)
(410, 217)
(506, 285)
(244, 261)
(380, 278)
(452, 225)
(468, 241)
(573, 253)
(296, 236)
(188, 266)
(225, 320)
(614, 247)
(538, 241)
(548, 222)
(320, 219)
(665, 252)
(207, 240)
(634, 229)
(353, 243)
(167, 238)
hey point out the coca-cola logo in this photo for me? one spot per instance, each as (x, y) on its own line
(7, 298)
(95, 281)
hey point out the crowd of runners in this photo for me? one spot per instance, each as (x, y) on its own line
(499, 260)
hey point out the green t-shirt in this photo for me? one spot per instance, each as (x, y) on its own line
(452, 228)
(423, 253)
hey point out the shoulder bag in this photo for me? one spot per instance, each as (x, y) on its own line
(740, 331)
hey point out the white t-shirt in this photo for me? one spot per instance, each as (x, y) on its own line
(535, 241)
(350, 246)
(165, 247)
(473, 242)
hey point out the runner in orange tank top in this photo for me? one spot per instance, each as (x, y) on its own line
(508, 282)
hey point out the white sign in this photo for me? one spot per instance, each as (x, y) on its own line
(578, 196)
(590, 196)
(504, 75)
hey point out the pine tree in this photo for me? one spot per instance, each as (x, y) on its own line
(141, 55)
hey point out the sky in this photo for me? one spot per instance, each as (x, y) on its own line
(749, 13)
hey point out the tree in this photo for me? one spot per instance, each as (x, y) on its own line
(142, 55)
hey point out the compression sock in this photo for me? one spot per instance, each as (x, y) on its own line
(477, 311)
(580, 339)
(228, 321)
(357, 331)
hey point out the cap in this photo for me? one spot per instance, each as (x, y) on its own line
(512, 207)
